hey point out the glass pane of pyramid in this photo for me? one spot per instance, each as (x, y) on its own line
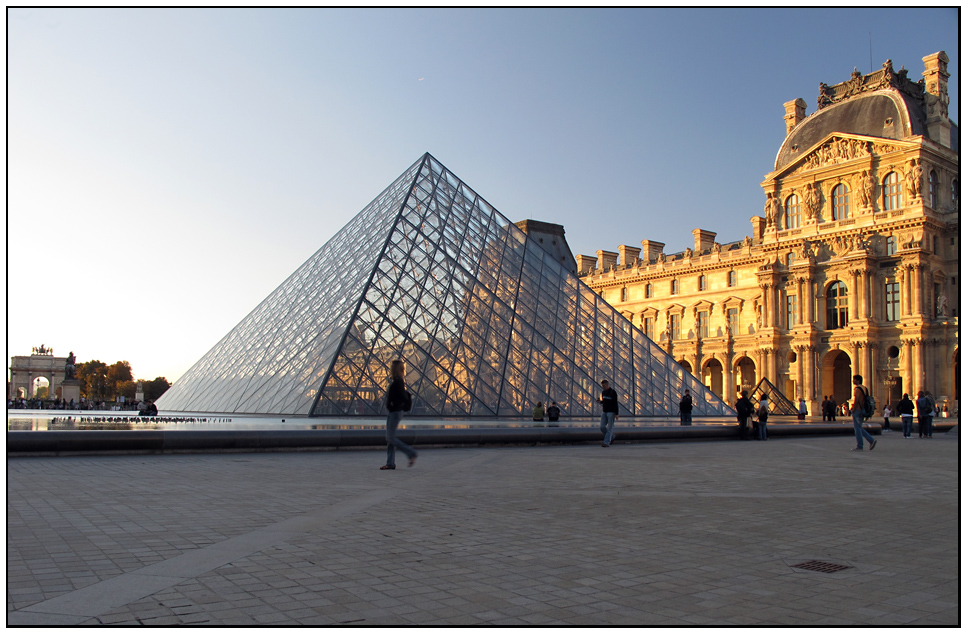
(487, 322)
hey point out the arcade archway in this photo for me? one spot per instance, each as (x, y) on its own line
(745, 378)
(712, 377)
(837, 371)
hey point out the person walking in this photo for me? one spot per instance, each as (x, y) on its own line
(744, 409)
(859, 406)
(539, 412)
(886, 417)
(763, 415)
(905, 409)
(398, 400)
(609, 412)
(934, 412)
(685, 408)
(802, 409)
(924, 414)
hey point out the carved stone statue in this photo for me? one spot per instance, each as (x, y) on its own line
(771, 210)
(867, 187)
(688, 252)
(747, 242)
(716, 247)
(758, 316)
(941, 305)
(812, 201)
(915, 179)
(70, 370)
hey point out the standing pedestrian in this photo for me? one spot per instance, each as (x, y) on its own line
(763, 418)
(802, 408)
(924, 414)
(744, 409)
(859, 406)
(825, 408)
(609, 412)
(886, 417)
(905, 409)
(398, 400)
(832, 409)
(685, 408)
(934, 412)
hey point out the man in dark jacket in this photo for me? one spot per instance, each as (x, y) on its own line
(685, 408)
(609, 412)
(744, 409)
(925, 415)
(905, 409)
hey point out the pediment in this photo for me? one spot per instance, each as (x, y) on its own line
(702, 305)
(839, 148)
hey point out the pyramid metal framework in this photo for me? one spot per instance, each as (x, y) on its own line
(778, 403)
(487, 321)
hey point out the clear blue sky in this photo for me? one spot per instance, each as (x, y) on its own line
(169, 168)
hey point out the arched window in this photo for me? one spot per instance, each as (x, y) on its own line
(648, 290)
(793, 215)
(837, 306)
(892, 198)
(624, 294)
(702, 283)
(733, 278)
(934, 189)
(674, 287)
(841, 202)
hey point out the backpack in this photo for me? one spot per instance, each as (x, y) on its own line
(869, 405)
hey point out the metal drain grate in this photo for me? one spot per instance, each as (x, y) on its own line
(821, 566)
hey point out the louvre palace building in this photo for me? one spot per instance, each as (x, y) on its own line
(852, 268)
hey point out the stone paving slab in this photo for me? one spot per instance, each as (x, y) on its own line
(693, 534)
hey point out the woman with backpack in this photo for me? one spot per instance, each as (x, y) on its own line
(398, 400)
(763, 415)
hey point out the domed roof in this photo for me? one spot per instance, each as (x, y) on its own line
(886, 114)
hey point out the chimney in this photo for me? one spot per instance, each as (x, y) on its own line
(652, 249)
(795, 112)
(628, 254)
(703, 240)
(758, 228)
(936, 99)
(606, 259)
(585, 263)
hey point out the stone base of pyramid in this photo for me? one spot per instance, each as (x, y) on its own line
(161, 441)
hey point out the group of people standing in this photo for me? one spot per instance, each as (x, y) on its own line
(926, 409)
(759, 416)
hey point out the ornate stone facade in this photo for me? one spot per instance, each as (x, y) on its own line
(853, 268)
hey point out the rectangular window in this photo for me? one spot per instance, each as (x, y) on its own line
(892, 301)
(701, 324)
(648, 326)
(732, 278)
(675, 323)
(891, 245)
(792, 310)
(674, 287)
(733, 320)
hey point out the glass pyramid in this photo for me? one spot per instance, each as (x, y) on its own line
(487, 321)
(778, 403)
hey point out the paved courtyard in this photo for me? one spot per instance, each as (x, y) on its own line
(686, 533)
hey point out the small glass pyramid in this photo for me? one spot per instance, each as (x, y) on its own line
(487, 321)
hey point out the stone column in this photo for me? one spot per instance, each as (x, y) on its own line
(729, 378)
(917, 291)
(869, 379)
(809, 373)
(800, 375)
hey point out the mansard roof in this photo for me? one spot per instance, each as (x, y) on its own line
(884, 104)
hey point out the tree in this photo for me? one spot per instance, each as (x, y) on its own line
(93, 378)
(154, 389)
(117, 374)
(126, 389)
